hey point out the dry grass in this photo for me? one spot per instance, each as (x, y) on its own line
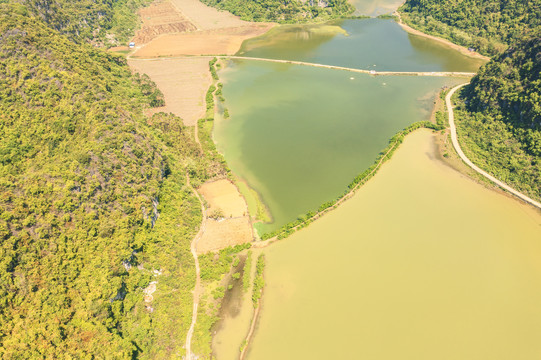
(223, 195)
(161, 17)
(184, 83)
(226, 232)
(206, 17)
(235, 228)
(209, 42)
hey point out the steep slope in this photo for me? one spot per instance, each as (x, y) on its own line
(487, 26)
(499, 119)
(95, 223)
(284, 11)
(100, 21)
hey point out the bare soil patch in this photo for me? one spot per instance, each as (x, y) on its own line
(184, 83)
(223, 195)
(225, 41)
(234, 227)
(206, 17)
(161, 17)
(223, 233)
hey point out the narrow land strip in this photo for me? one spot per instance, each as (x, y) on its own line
(250, 333)
(456, 145)
(265, 243)
(334, 67)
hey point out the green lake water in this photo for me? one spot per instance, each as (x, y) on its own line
(298, 135)
(422, 264)
(370, 44)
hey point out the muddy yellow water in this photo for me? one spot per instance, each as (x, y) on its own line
(422, 263)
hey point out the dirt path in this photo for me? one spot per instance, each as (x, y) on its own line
(456, 145)
(197, 288)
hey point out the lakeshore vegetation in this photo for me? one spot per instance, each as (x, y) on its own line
(498, 114)
(499, 117)
(305, 220)
(487, 26)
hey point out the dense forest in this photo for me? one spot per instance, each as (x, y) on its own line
(102, 22)
(284, 11)
(487, 26)
(499, 113)
(499, 117)
(94, 207)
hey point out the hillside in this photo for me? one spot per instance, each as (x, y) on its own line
(285, 11)
(98, 21)
(487, 26)
(499, 119)
(93, 206)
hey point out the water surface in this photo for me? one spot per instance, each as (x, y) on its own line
(370, 44)
(298, 135)
(421, 264)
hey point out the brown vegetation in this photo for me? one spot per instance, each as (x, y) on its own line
(206, 17)
(161, 17)
(220, 234)
(232, 225)
(223, 195)
(226, 41)
(183, 82)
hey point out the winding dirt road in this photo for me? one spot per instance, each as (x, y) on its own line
(456, 145)
(197, 288)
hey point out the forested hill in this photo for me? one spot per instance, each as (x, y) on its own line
(500, 118)
(92, 203)
(284, 11)
(100, 21)
(489, 26)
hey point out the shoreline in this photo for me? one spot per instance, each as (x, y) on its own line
(451, 44)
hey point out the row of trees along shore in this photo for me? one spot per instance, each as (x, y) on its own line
(359, 180)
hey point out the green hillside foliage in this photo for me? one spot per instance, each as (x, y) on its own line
(489, 26)
(500, 116)
(93, 203)
(100, 21)
(284, 11)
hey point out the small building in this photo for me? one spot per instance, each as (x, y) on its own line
(131, 45)
(471, 49)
